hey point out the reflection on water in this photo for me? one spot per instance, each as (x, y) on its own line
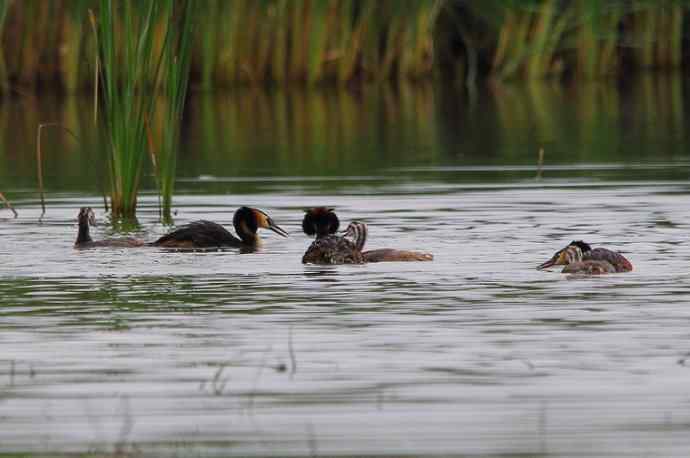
(375, 131)
(221, 353)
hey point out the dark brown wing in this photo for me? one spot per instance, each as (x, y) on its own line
(389, 255)
(617, 260)
(199, 234)
(332, 249)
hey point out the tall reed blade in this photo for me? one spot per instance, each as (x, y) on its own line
(137, 67)
(176, 65)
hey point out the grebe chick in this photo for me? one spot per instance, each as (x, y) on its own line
(579, 257)
(328, 248)
(358, 232)
(207, 234)
(87, 217)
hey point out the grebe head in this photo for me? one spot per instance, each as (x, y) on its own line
(358, 233)
(320, 221)
(248, 220)
(568, 255)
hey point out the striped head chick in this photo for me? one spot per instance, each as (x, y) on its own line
(358, 233)
(573, 253)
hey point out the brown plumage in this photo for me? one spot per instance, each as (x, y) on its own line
(85, 218)
(589, 268)
(579, 257)
(207, 234)
(359, 231)
(390, 255)
(328, 248)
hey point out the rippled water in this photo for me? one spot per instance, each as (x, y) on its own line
(257, 354)
(147, 351)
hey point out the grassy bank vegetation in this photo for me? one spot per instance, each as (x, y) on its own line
(580, 39)
(343, 41)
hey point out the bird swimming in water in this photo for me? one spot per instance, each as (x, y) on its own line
(207, 234)
(87, 218)
(358, 232)
(328, 248)
(579, 257)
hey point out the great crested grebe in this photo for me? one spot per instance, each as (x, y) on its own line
(579, 257)
(358, 232)
(87, 217)
(328, 248)
(207, 234)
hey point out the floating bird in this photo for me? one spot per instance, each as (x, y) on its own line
(358, 232)
(207, 234)
(579, 257)
(328, 248)
(87, 218)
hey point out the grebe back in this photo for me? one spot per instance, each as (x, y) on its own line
(207, 234)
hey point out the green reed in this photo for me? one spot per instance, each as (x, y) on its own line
(175, 73)
(597, 38)
(587, 38)
(4, 4)
(74, 58)
(143, 51)
(314, 42)
(124, 80)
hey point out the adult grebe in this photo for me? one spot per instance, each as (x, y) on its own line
(579, 257)
(87, 217)
(328, 248)
(207, 234)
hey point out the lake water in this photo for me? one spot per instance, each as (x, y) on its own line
(146, 351)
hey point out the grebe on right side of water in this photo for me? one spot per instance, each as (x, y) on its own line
(579, 257)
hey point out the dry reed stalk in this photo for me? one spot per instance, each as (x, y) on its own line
(8, 204)
(39, 158)
(540, 164)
